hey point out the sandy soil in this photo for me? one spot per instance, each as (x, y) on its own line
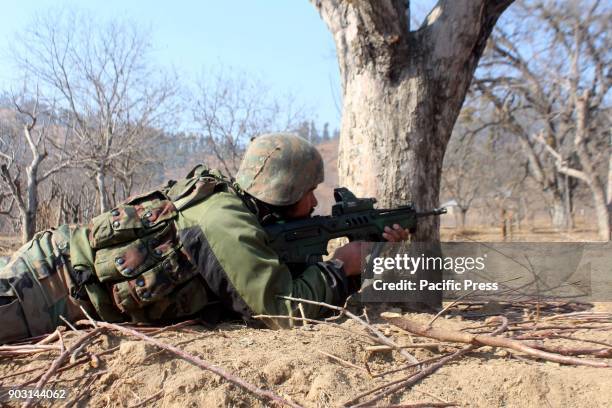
(289, 363)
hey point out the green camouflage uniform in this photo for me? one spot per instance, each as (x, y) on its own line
(33, 287)
(175, 252)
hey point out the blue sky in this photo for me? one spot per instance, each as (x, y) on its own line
(282, 42)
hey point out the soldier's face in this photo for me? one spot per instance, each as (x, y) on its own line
(305, 207)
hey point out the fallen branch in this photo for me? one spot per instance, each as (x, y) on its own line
(61, 359)
(433, 396)
(30, 347)
(51, 338)
(11, 351)
(560, 327)
(456, 301)
(588, 314)
(380, 338)
(406, 381)
(153, 332)
(485, 340)
(573, 351)
(84, 359)
(404, 367)
(263, 394)
(315, 321)
(421, 405)
(30, 370)
(343, 362)
(82, 390)
(414, 378)
(404, 346)
(559, 336)
(146, 401)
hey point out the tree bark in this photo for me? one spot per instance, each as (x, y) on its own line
(601, 212)
(610, 173)
(402, 92)
(558, 213)
(28, 216)
(609, 191)
(101, 189)
(568, 203)
(463, 217)
(593, 180)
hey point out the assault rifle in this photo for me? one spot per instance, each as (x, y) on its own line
(305, 240)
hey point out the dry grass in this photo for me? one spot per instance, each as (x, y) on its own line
(525, 234)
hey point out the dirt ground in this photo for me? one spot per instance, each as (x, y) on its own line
(537, 233)
(291, 363)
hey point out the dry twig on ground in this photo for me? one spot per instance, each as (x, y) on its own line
(421, 405)
(367, 337)
(485, 340)
(414, 378)
(344, 362)
(381, 338)
(62, 358)
(263, 394)
(146, 401)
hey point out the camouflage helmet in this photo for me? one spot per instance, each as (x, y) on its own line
(279, 168)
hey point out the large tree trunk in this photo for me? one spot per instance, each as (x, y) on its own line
(402, 92)
(390, 145)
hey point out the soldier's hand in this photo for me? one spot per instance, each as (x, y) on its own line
(351, 255)
(395, 234)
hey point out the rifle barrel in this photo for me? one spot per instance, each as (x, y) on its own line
(435, 211)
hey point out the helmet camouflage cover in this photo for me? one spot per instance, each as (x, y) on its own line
(279, 168)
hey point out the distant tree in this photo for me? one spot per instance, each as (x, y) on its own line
(325, 132)
(313, 136)
(231, 108)
(462, 167)
(110, 94)
(21, 169)
(553, 96)
(303, 130)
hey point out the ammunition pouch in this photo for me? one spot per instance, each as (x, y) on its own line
(141, 267)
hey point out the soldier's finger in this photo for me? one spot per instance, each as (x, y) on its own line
(391, 236)
(402, 234)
